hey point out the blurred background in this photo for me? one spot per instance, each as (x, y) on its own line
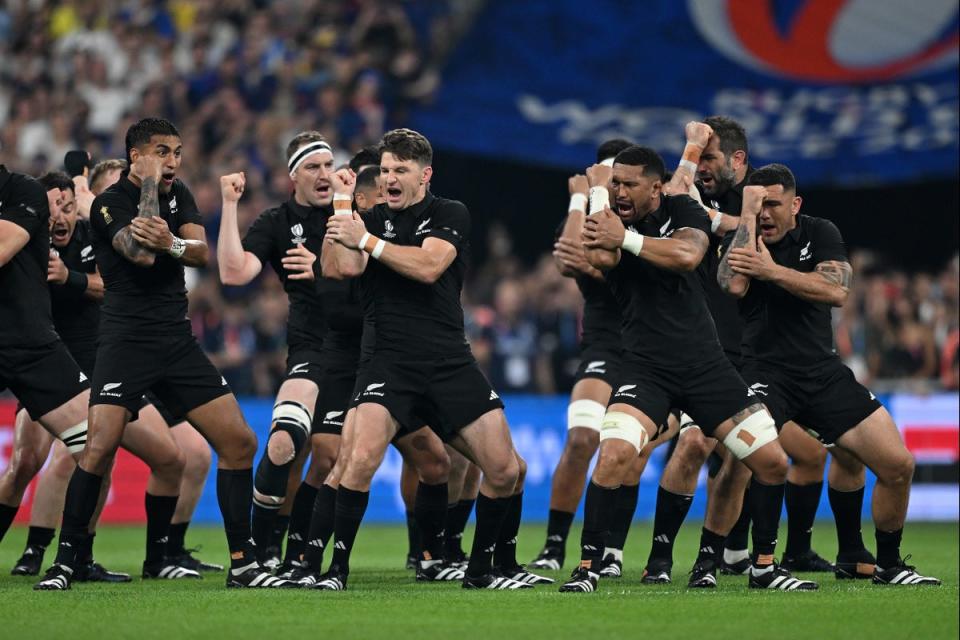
(859, 97)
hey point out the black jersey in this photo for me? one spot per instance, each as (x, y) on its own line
(723, 307)
(665, 316)
(140, 300)
(602, 320)
(780, 328)
(25, 315)
(414, 320)
(319, 306)
(75, 316)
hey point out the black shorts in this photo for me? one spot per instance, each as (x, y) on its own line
(85, 355)
(827, 402)
(336, 392)
(174, 368)
(305, 364)
(709, 392)
(600, 362)
(172, 419)
(42, 378)
(447, 393)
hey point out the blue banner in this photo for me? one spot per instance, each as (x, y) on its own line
(843, 91)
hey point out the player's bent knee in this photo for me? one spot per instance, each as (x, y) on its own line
(280, 448)
(618, 425)
(503, 476)
(582, 444)
(521, 469)
(900, 472)
(291, 428)
(587, 414)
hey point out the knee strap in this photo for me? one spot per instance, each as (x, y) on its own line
(623, 426)
(294, 418)
(585, 413)
(75, 437)
(751, 434)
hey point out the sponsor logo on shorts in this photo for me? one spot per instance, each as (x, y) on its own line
(388, 229)
(872, 397)
(110, 390)
(493, 395)
(223, 381)
(331, 418)
(622, 391)
(297, 232)
(300, 368)
(757, 388)
(597, 366)
(805, 253)
(83, 377)
(421, 228)
(371, 389)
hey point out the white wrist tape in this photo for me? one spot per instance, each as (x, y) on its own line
(632, 242)
(178, 248)
(378, 249)
(689, 166)
(342, 211)
(578, 202)
(715, 223)
(599, 199)
(607, 162)
(363, 241)
(587, 414)
(622, 426)
(751, 434)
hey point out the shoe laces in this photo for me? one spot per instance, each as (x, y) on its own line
(904, 565)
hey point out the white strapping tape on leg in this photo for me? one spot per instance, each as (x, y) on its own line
(585, 413)
(751, 434)
(267, 502)
(75, 437)
(623, 426)
(686, 422)
(290, 411)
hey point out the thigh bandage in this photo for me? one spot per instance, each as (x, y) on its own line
(751, 434)
(585, 413)
(686, 422)
(622, 426)
(75, 437)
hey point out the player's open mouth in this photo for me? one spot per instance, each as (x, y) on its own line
(168, 178)
(393, 193)
(768, 229)
(705, 179)
(624, 208)
(323, 190)
(60, 232)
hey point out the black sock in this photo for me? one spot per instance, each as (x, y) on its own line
(351, 505)
(176, 538)
(235, 495)
(160, 510)
(7, 514)
(458, 514)
(321, 527)
(846, 506)
(490, 515)
(280, 525)
(40, 537)
(711, 545)
(430, 511)
(802, 501)
(888, 548)
(262, 528)
(766, 502)
(83, 492)
(597, 512)
(738, 539)
(505, 554)
(623, 512)
(671, 511)
(299, 521)
(558, 528)
(85, 552)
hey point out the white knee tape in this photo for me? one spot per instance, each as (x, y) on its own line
(585, 413)
(751, 434)
(686, 422)
(291, 412)
(75, 437)
(267, 502)
(622, 426)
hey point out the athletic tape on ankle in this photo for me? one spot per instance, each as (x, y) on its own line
(751, 434)
(585, 413)
(75, 437)
(617, 425)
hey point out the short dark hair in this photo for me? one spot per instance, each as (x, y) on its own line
(407, 144)
(368, 177)
(369, 155)
(302, 138)
(140, 132)
(732, 135)
(56, 180)
(610, 148)
(773, 174)
(635, 155)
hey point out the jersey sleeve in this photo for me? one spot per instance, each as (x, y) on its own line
(687, 213)
(108, 215)
(259, 238)
(27, 207)
(187, 211)
(451, 222)
(827, 242)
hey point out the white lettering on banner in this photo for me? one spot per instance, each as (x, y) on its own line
(805, 123)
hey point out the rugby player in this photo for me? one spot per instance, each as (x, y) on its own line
(421, 369)
(789, 270)
(146, 228)
(672, 357)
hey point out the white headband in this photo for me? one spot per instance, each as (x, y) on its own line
(305, 152)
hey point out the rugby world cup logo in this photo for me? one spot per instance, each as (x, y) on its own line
(297, 232)
(832, 41)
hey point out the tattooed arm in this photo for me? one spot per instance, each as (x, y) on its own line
(829, 283)
(737, 284)
(123, 242)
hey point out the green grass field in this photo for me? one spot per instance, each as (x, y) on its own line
(384, 601)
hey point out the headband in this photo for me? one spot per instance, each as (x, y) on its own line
(304, 152)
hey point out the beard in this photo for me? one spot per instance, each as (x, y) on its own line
(723, 180)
